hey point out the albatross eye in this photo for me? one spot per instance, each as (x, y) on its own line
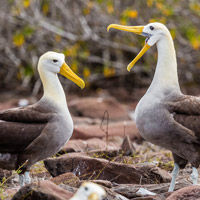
(55, 61)
(151, 27)
(86, 188)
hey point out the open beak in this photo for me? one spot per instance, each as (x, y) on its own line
(68, 73)
(137, 30)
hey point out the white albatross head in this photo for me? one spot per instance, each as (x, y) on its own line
(89, 191)
(154, 32)
(55, 63)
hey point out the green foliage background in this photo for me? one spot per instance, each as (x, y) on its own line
(78, 29)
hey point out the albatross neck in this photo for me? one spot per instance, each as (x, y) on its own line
(166, 76)
(53, 90)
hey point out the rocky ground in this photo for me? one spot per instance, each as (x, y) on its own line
(105, 148)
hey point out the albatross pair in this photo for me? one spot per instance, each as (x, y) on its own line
(164, 115)
(33, 133)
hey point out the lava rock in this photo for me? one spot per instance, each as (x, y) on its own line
(5, 174)
(42, 190)
(93, 107)
(127, 147)
(86, 167)
(130, 190)
(86, 145)
(114, 129)
(186, 193)
(67, 179)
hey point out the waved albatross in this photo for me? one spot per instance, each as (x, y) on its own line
(33, 133)
(165, 116)
(89, 191)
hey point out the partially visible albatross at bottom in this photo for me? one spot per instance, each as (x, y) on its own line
(165, 116)
(33, 133)
(90, 191)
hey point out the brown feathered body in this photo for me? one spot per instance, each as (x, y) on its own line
(174, 123)
(32, 133)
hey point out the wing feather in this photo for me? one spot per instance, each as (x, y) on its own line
(29, 114)
(186, 111)
(16, 136)
(188, 105)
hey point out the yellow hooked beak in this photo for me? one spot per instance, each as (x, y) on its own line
(68, 73)
(134, 29)
(93, 196)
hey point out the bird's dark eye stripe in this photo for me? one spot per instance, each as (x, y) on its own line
(152, 28)
(54, 60)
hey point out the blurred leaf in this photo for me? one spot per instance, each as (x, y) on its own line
(58, 38)
(100, 1)
(195, 6)
(26, 3)
(160, 19)
(10, 1)
(130, 13)
(72, 51)
(86, 72)
(167, 11)
(152, 20)
(19, 76)
(108, 71)
(27, 31)
(84, 54)
(159, 6)
(18, 39)
(74, 66)
(45, 8)
(123, 21)
(190, 31)
(87, 10)
(25, 70)
(4, 179)
(195, 42)
(28, 70)
(110, 7)
(164, 8)
(173, 33)
(150, 3)
(15, 10)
